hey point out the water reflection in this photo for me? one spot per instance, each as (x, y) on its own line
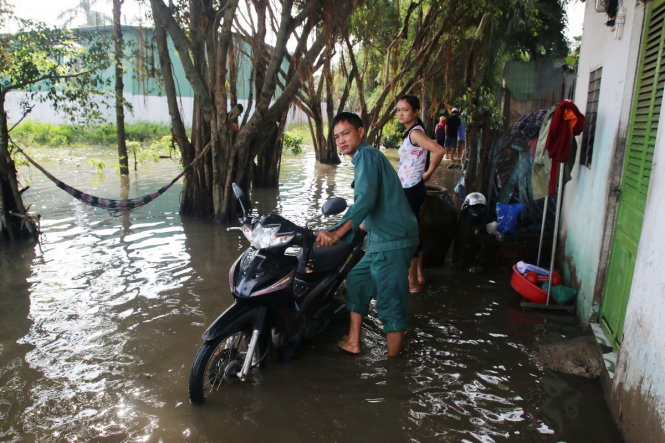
(100, 326)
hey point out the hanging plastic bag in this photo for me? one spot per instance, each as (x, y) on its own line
(507, 216)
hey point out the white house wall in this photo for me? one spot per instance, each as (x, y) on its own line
(637, 391)
(639, 382)
(587, 195)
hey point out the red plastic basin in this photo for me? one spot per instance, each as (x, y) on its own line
(527, 289)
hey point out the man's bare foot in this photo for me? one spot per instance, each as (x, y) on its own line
(349, 346)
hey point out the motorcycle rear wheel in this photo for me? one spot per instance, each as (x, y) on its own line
(217, 364)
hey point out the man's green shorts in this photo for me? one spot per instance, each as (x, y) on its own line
(385, 277)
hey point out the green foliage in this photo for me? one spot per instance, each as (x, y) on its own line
(47, 134)
(146, 131)
(143, 153)
(293, 142)
(97, 164)
(574, 55)
(475, 40)
(479, 102)
(302, 129)
(374, 21)
(33, 133)
(54, 65)
(163, 146)
(392, 135)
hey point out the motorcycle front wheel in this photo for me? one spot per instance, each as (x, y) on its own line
(217, 364)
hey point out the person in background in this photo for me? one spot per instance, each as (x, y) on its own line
(440, 131)
(461, 141)
(414, 171)
(452, 127)
(379, 207)
(233, 116)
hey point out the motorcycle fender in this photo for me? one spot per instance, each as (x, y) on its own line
(237, 315)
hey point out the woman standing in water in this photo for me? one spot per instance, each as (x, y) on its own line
(414, 170)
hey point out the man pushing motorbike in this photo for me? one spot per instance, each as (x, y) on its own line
(380, 207)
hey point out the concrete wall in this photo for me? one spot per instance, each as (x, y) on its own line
(150, 108)
(585, 225)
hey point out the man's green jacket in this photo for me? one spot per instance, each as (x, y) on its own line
(380, 203)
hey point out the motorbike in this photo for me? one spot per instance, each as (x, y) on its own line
(285, 290)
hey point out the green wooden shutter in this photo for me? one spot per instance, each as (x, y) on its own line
(638, 161)
(642, 139)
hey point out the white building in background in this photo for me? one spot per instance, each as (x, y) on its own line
(143, 89)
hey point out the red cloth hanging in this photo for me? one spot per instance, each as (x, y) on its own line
(566, 123)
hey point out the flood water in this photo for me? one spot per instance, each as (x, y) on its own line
(100, 323)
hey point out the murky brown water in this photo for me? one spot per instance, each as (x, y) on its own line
(99, 327)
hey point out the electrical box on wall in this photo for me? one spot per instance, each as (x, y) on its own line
(608, 7)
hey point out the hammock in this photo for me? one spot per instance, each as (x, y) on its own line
(107, 203)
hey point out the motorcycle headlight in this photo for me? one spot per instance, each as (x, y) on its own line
(262, 237)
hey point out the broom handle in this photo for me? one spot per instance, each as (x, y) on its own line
(557, 215)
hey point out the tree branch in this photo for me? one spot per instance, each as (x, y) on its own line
(163, 17)
(44, 78)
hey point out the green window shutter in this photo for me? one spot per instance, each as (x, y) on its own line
(646, 112)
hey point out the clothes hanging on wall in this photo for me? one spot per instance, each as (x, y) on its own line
(542, 165)
(567, 122)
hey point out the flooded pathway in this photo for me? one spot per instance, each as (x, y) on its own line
(99, 326)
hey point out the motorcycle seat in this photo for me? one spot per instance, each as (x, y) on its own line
(325, 259)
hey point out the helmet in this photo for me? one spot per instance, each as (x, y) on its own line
(474, 198)
(473, 208)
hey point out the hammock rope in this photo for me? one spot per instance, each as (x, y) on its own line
(113, 205)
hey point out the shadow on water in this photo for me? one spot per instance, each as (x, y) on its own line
(100, 327)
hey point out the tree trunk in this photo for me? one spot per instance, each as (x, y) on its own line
(485, 145)
(478, 143)
(269, 160)
(472, 166)
(204, 45)
(196, 190)
(15, 223)
(123, 160)
(329, 155)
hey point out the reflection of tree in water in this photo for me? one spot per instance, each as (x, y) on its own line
(124, 215)
(15, 263)
(15, 323)
(212, 251)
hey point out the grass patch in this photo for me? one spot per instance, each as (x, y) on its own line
(302, 129)
(37, 134)
(393, 155)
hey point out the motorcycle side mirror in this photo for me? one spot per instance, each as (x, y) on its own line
(242, 198)
(238, 192)
(334, 206)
